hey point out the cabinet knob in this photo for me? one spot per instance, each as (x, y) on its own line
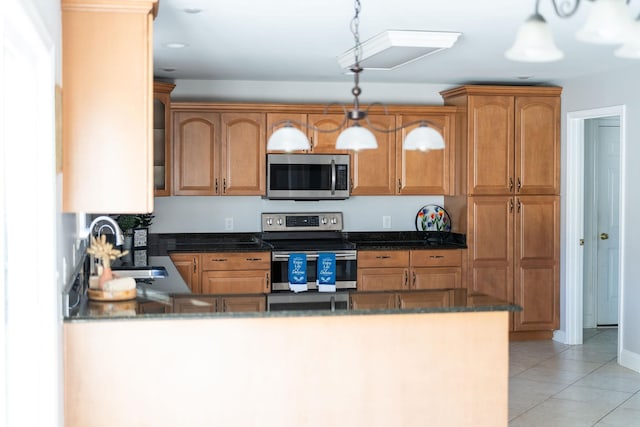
(604, 236)
(510, 185)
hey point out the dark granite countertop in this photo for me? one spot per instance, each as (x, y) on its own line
(163, 244)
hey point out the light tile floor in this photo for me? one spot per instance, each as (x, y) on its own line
(553, 384)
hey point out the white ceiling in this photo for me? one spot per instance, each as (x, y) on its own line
(300, 40)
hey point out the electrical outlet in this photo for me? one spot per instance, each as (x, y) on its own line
(228, 224)
(386, 221)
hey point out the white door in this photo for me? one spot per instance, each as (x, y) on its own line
(607, 226)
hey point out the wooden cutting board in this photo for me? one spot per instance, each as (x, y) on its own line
(100, 295)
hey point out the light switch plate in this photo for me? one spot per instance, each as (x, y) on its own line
(228, 224)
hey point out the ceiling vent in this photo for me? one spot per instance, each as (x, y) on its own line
(392, 49)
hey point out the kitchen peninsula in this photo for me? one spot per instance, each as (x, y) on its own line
(444, 365)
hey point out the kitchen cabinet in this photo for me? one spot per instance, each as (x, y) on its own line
(373, 171)
(507, 198)
(219, 304)
(188, 265)
(430, 172)
(384, 300)
(162, 150)
(410, 269)
(512, 140)
(152, 307)
(107, 138)
(383, 270)
(218, 153)
(236, 272)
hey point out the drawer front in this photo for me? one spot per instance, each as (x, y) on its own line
(236, 261)
(436, 258)
(235, 282)
(378, 259)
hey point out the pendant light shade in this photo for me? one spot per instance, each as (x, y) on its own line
(534, 42)
(356, 138)
(423, 138)
(608, 23)
(631, 49)
(288, 138)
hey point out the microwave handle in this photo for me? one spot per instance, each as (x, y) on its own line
(333, 177)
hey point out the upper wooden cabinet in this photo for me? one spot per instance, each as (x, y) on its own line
(218, 153)
(162, 151)
(512, 139)
(373, 171)
(107, 138)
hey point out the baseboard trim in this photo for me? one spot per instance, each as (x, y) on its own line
(530, 335)
(630, 360)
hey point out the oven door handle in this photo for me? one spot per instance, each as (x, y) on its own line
(349, 256)
(333, 177)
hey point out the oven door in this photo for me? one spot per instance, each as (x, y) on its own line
(346, 265)
(308, 301)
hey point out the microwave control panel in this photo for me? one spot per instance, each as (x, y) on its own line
(324, 221)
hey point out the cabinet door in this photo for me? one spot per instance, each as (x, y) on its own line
(106, 110)
(426, 299)
(490, 145)
(296, 119)
(490, 246)
(254, 303)
(161, 140)
(235, 282)
(436, 277)
(325, 142)
(196, 153)
(382, 279)
(536, 263)
(373, 171)
(428, 172)
(195, 304)
(243, 168)
(188, 265)
(537, 145)
(372, 300)
(436, 258)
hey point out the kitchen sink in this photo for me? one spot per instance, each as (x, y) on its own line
(146, 272)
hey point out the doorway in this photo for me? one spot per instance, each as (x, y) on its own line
(601, 225)
(574, 219)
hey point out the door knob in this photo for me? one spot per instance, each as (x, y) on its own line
(604, 236)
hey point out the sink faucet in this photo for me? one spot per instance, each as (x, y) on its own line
(112, 225)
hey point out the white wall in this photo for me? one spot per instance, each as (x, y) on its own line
(605, 90)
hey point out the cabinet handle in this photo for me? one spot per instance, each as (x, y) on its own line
(398, 301)
(399, 185)
(519, 184)
(195, 265)
(219, 259)
(436, 256)
(406, 279)
(519, 205)
(215, 305)
(224, 306)
(510, 185)
(267, 283)
(216, 186)
(413, 285)
(253, 259)
(511, 205)
(383, 256)
(224, 186)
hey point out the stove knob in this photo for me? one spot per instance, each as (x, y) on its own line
(323, 220)
(279, 221)
(334, 220)
(269, 221)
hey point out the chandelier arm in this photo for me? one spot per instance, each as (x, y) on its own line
(404, 126)
(564, 8)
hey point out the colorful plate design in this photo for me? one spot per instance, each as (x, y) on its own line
(433, 218)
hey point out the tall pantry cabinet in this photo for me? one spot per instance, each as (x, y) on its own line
(507, 197)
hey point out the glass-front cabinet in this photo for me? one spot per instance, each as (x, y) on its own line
(161, 135)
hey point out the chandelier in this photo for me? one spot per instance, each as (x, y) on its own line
(355, 137)
(609, 22)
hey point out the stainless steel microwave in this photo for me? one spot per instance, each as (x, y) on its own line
(307, 176)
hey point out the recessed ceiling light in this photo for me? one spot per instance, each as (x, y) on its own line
(169, 70)
(524, 77)
(392, 49)
(192, 10)
(175, 45)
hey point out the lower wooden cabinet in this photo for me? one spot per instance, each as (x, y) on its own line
(401, 299)
(219, 304)
(381, 270)
(188, 265)
(235, 281)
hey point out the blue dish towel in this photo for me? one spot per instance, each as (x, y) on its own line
(298, 272)
(326, 272)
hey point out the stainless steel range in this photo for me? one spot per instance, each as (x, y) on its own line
(311, 234)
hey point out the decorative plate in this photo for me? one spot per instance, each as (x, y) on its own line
(433, 218)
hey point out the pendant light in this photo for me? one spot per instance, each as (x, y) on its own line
(356, 137)
(534, 42)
